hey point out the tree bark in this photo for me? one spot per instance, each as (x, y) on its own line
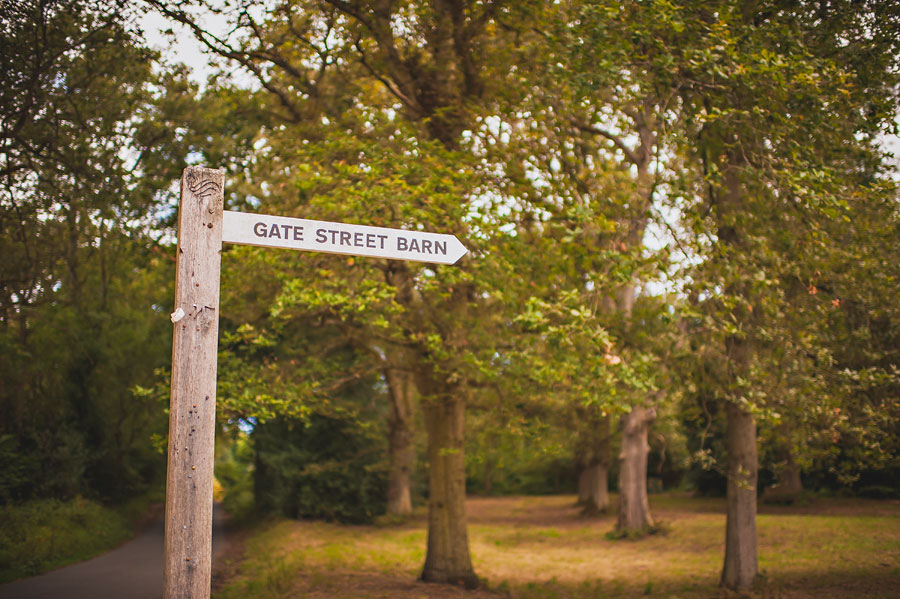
(402, 450)
(488, 476)
(584, 482)
(790, 481)
(490, 463)
(741, 567)
(597, 500)
(634, 507)
(447, 559)
(789, 485)
(593, 481)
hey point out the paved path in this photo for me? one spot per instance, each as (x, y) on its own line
(133, 571)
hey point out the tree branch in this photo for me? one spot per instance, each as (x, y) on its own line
(617, 141)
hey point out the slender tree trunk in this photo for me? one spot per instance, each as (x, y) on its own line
(400, 439)
(584, 481)
(597, 501)
(402, 457)
(789, 485)
(447, 559)
(490, 463)
(488, 476)
(595, 475)
(634, 507)
(741, 567)
(791, 482)
(104, 276)
(72, 255)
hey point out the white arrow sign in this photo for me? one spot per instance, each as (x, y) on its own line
(340, 238)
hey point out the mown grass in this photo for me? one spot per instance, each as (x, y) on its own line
(42, 535)
(538, 547)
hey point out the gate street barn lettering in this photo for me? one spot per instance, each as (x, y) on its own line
(340, 238)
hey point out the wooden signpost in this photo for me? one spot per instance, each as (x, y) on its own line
(192, 408)
(203, 225)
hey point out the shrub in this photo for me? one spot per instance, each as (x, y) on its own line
(331, 467)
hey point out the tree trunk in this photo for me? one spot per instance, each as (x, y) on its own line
(595, 476)
(634, 507)
(789, 485)
(597, 482)
(741, 568)
(488, 475)
(584, 482)
(402, 457)
(400, 438)
(447, 558)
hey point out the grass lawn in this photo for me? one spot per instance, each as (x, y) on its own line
(538, 547)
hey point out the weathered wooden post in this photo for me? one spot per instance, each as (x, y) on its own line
(192, 411)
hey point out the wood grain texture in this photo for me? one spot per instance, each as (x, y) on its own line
(192, 414)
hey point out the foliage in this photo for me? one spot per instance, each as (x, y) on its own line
(514, 449)
(770, 114)
(798, 221)
(234, 473)
(83, 283)
(330, 467)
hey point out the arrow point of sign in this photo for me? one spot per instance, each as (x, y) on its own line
(456, 250)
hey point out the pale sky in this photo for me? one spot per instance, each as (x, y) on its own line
(184, 48)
